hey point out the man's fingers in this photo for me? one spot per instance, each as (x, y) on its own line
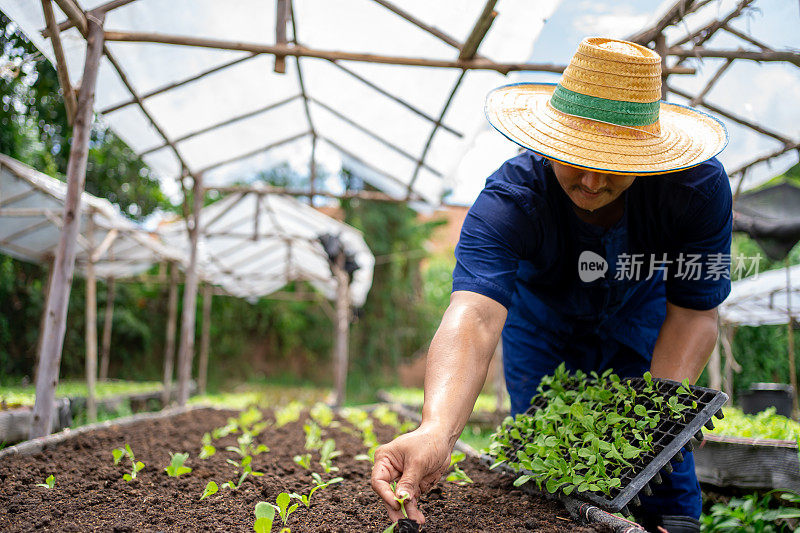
(394, 515)
(413, 511)
(383, 474)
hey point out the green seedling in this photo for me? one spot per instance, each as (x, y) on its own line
(136, 466)
(305, 499)
(211, 489)
(321, 414)
(369, 456)
(265, 514)
(246, 446)
(458, 476)
(313, 436)
(208, 449)
(288, 413)
(303, 460)
(176, 467)
(282, 505)
(49, 483)
(400, 499)
(327, 453)
(247, 470)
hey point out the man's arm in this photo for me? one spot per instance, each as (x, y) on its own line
(684, 344)
(458, 360)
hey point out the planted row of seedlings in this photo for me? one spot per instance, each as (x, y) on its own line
(591, 435)
(247, 428)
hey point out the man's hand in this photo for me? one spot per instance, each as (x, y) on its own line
(417, 461)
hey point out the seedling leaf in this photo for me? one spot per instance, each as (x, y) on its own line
(49, 483)
(211, 488)
(265, 514)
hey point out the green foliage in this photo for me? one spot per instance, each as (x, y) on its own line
(764, 425)
(265, 514)
(49, 483)
(458, 476)
(210, 490)
(327, 453)
(752, 514)
(176, 467)
(322, 414)
(303, 460)
(208, 449)
(282, 505)
(136, 466)
(589, 430)
(288, 413)
(247, 470)
(318, 485)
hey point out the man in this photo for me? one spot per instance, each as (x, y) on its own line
(605, 245)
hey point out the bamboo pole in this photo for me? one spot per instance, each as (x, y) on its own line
(673, 15)
(268, 189)
(661, 49)
(751, 55)
(205, 338)
(108, 322)
(91, 327)
(46, 294)
(169, 344)
(281, 15)
(186, 346)
(790, 335)
(64, 264)
(104, 8)
(341, 346)
(332, 55)
(70, 101)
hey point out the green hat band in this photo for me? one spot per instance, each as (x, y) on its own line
(604, 110)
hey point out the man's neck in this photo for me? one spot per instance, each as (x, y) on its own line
(606, 216)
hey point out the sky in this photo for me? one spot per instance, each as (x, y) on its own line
(767, 93)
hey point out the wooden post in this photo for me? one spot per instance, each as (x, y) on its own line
(64, 264)
(205, 337)
(714, 366)
(661, 49)
(46, 295)
(281, 14)
(108, 322)
(790, 334)
(91, 325)
(186, 347)
(169, 344)
(499, 378)
(342, 324)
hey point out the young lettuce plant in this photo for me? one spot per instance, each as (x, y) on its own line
(327, 453)
(247, 470)
(321, 414)
(208, 449)
(288, 413)
(246, 446)
(136, 466)
(265, 514)
(282, 505)
(313, 436)
(305, 499)
(176, 467)
(49, 483)
(303, 460)
(458, 476)
(369, 456)
(210, 490)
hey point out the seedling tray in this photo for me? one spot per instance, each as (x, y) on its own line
(670, 437)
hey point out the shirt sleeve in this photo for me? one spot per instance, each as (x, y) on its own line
(700, 273)
(498, 231)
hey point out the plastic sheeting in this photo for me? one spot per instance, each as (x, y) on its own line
(761, 300)
(31, 207)
(251, 85)
(252, 245)
(772, 217)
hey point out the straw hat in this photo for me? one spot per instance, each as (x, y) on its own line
(607, 114)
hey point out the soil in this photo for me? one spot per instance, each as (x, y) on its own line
(90, 494)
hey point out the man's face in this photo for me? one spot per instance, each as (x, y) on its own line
(588, 189)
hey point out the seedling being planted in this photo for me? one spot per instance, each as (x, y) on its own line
(326, 455)
(305, 499)
(211, 489)
(176, 467)
(458, 476)
(404, 525)
(49, 483)
(303, 460)
(136, 466)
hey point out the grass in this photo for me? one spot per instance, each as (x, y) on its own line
(24, 395)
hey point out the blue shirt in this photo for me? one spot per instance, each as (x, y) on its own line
(521, 243)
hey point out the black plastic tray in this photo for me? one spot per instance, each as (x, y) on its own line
(669, 439)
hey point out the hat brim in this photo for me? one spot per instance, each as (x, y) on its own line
(687, 136)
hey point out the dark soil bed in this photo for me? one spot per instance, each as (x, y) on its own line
(90, 495)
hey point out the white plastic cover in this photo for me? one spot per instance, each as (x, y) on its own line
(252, 245)
(346, 25)
(31, 207)
(761, 300)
